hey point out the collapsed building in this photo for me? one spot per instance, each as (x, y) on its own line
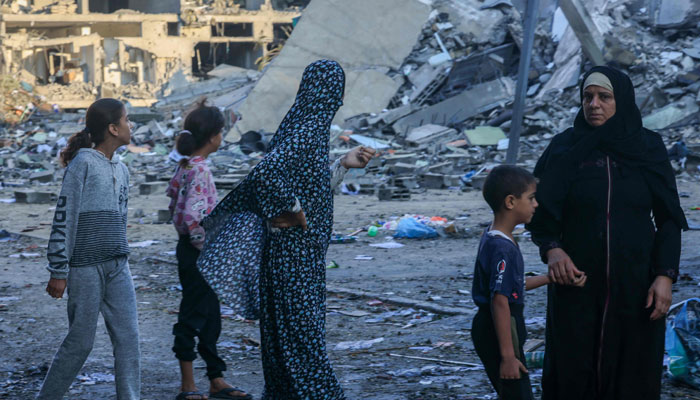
(75, 51)
(430, 84)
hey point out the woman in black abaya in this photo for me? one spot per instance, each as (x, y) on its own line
(609, 208)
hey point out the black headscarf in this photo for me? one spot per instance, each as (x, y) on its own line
(319, 97)
(622, 137)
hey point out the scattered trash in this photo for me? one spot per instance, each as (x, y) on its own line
(354, 313)
(25, 255)
(436, 360)
(96, 377)
(683, 342)
(364, 258)
(6, 236)
(342, 239)
(388, 245)
(145, 243)
(534, 359)
(410, 228)
(332, 265)
(357, 345)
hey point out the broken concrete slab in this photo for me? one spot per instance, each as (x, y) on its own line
(388, 117)
(693, 51)
(478, 99)
(432, 180)
(480, 67)
(670, 115)
(41, 176)
(485, 136)
(485, 26)
(426, 80)
(383, 34)
(585, 29)
(33, 197)
(564, 77)
(152, 188)
(370, 142)
(162, 217)
(675, 13)
(428, 134)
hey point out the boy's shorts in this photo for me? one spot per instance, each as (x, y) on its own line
(486, 346)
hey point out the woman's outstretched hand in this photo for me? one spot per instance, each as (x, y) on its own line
(289, 219)
(659, 295)
(358, 157)
(561, 269)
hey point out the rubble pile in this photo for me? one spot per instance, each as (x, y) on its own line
(449, 117)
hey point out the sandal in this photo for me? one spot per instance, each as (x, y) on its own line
(185, 395)
(226, 394)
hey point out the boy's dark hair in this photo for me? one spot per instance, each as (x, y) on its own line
(99, 116)
(503, 181)
(201, 124)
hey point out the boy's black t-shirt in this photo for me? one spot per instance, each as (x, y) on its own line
(499, 269)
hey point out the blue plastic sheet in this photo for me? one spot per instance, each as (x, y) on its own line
(683, 342)
(412, 229)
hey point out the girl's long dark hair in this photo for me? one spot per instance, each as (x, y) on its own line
(203, 123)
(99, 116)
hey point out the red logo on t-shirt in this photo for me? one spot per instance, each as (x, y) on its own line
(501, 266)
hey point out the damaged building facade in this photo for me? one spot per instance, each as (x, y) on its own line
(74, 51)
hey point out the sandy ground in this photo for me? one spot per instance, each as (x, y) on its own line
(32, 325)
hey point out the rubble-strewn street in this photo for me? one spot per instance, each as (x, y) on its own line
(430, 84)
(434, 271)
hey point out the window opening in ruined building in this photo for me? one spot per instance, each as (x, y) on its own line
(232, 29)
(208, 55)
(173, 29)
(148, 7)
(286, 4)
(281, 32)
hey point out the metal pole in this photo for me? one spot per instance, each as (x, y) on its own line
(529, 24)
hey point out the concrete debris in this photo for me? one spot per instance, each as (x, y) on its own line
(485, 136)
(136, 51)
(436, 125)
(428, 133)
(367, 55)
(675, 13)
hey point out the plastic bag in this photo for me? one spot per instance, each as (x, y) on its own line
(683, 342)
(410, 228)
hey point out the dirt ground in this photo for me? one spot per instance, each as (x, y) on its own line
(32, 324)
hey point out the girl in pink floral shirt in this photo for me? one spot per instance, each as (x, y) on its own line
(193, 196)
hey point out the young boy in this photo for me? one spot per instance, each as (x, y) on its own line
(498, 329)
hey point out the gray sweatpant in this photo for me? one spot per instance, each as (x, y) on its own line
(108, 289)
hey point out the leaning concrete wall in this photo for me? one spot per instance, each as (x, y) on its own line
(367, 37)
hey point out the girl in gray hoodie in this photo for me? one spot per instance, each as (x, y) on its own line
(88, 252)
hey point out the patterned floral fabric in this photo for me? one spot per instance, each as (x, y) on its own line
(193, 196)
(292, 268)
(231, 259)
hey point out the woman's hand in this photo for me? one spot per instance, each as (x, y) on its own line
(56, 287)
(358, 157)
(561, 269)
(289, 219)
(659, 295)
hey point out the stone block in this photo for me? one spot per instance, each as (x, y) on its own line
(152, 188)
(42, 176)
(34, 197)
